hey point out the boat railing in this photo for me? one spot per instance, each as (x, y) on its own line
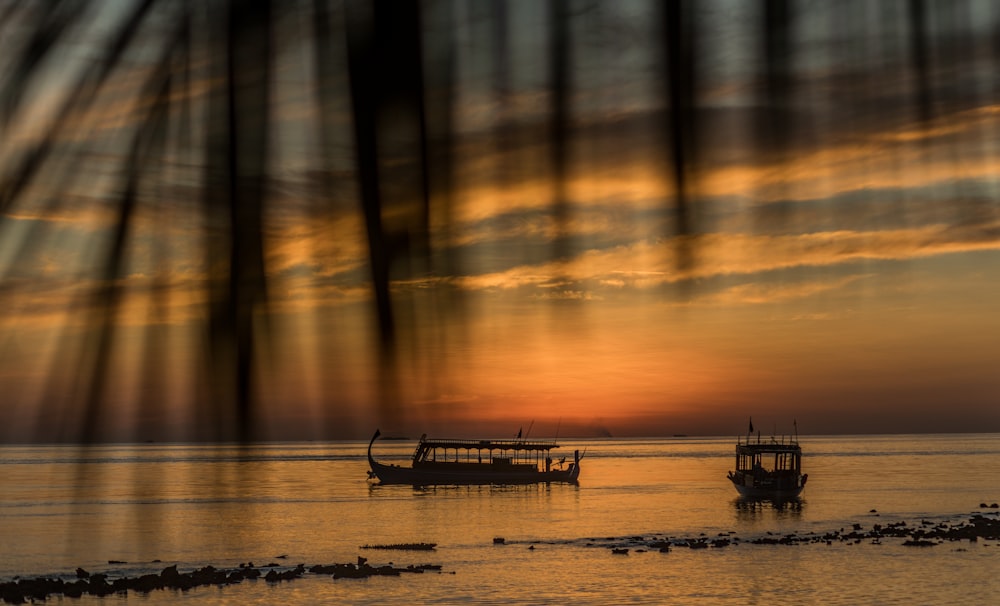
(516, 444)
(773, 441)
(476, 466)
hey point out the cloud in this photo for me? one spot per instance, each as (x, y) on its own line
(758, 293)
(567, 295)
(649, 264)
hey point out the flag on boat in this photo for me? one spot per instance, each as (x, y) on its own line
(751, 426)
(519, 433)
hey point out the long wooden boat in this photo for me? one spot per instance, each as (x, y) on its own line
(477, 462)
(769, 469)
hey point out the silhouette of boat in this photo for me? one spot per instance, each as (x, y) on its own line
(447, 461)
(768, 470)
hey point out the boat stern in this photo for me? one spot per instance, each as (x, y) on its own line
(574, 472)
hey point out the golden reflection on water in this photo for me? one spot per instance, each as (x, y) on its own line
(752, 510)
(200, 505)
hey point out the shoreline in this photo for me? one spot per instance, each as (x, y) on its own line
(971, 527)
(23, 590)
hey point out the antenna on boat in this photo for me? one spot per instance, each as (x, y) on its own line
(795, 425)
(557, 427)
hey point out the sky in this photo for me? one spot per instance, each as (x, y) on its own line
(832, 264)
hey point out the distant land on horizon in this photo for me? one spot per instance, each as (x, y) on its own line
(763, 436)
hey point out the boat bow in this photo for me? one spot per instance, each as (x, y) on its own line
(371, 460)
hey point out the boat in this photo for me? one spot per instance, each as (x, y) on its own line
(450, 461)
(770, 469)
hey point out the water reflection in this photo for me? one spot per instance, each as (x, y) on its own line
(753, 510)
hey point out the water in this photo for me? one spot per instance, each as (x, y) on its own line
(63, 507)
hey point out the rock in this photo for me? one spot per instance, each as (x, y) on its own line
(146, 583)
(169, 574)
(99, 586)
(324, 568)
(75, 590)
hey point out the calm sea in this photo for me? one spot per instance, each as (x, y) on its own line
(152, 505)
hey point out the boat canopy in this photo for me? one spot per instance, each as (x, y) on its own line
(487, 444)
(787, 456)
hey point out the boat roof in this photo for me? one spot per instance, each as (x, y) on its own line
(769, 446)
(517, 444)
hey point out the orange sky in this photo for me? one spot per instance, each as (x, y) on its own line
(849, 285)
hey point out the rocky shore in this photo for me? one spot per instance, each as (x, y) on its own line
(20, 591)
(923, 533)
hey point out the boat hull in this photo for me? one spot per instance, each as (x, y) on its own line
(788, 487)
(753, 492)
(394, 474)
